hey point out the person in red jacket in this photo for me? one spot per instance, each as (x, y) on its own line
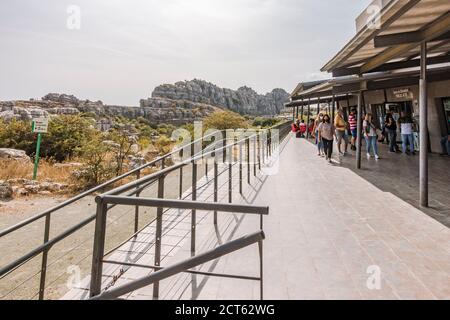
(302, 128)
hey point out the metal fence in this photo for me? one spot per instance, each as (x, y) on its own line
(261, 144)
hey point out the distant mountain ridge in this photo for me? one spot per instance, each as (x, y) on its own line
(243, 100)
(178, 103)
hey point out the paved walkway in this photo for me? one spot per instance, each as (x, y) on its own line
(330, 234)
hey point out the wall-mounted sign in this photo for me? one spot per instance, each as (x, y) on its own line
(40, 125)
(402, 93)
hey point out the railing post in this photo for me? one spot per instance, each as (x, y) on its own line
(247, 142)
(158, 236)
(258, 137)
(230, 175)
(181, 178)
(254, 155)
(240, 167)
(44, 258)
(194, 212)
(136, 209)
(99, 248)
(261, 269)
(216, 187)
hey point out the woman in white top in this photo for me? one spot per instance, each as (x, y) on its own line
(370, 134)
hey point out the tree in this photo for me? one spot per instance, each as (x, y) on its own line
(123, 149)
(66, 133)
(17, 134)
(97, 166)
(222, 120)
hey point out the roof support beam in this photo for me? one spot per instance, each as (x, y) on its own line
(405, 38)
(434, 30)
(392, 66)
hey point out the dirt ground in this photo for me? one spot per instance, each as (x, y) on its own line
(71, 258)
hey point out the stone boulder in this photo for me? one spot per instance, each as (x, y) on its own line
(6, 190)
(13, 154)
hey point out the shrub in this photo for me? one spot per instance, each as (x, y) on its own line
(222, 120)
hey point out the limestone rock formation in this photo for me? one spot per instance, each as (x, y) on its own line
(243, 100)
(178, 103)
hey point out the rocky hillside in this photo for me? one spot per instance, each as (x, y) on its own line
(243, 100)
(180, 103)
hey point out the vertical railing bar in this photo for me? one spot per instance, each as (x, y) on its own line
(136, 209)
(99, 248)
(193, 212)
(254, 155)
(240, 167)
(181, 176)
(216, 185)
(259, 150)
(44, 258)
(230, 172)
(158, 235)
(261, 270)
(247, 149)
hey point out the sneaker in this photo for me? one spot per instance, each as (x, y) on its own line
(369, 156)
(377, 157)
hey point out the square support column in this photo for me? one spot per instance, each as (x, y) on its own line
(359, 130)
(423, 116)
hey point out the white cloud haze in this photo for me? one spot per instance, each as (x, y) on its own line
(127, 47)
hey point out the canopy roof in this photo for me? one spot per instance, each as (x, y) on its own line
(428, 20)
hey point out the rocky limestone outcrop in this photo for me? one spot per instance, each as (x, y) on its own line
(14, 154)
(243, 100)
(178, 103)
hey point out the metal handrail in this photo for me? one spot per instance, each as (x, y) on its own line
(100, 225)
(184, 266)
(95, 189)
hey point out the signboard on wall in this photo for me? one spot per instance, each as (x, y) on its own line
(399, 94)
(402, 93)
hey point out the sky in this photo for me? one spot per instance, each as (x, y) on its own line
(117, 51)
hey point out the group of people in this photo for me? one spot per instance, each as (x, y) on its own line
(325, 131)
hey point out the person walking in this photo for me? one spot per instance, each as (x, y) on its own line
(341, 131)
(370, 135)
(353, 124)
(445, 144)
(391, 130)
(326, 131)
(406, 127)
(317, 122)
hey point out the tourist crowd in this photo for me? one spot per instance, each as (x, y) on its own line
(324, 131)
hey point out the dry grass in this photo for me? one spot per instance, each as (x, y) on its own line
(24, 170)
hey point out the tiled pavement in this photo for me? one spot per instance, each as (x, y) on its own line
(330, 234)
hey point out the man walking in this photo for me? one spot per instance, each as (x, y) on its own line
(391, 129)
(406, 127)
(341, 131)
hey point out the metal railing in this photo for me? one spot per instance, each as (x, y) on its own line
(263, 144)
(162, 273)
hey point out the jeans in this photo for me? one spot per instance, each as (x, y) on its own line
(371, 142)
(327, 147)
(392, 134)
(408, 138)
(318, 142)
(445, 145)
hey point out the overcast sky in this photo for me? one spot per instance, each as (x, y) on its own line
(124, 48)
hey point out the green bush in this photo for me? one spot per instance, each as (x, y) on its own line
(222, 120)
